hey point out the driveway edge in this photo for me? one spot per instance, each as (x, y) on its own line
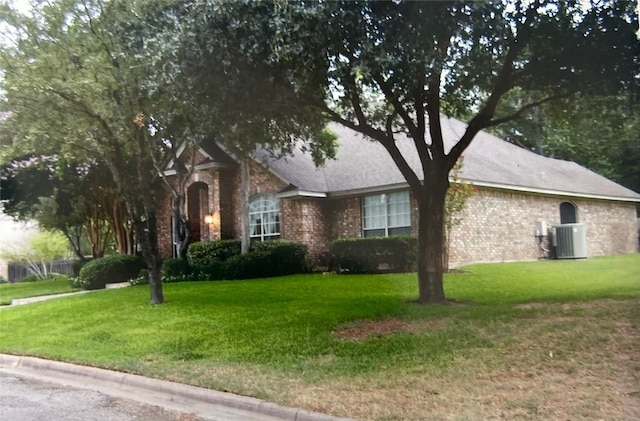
(177, 396)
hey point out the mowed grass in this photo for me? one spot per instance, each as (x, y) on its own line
(537, 340)
(10, 292)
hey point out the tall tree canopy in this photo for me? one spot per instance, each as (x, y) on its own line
(73, 88)
(129, 83)
(386, 67)
(601, 133)
(80, 201)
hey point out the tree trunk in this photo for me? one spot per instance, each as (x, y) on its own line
(121, 228)
(430, 242)
(182, 231)
(147, 231)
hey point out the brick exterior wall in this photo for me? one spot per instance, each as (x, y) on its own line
(497, 225)
(500, 226)
(229, 188)
(304, 221)
(345, 216)
(611, 227)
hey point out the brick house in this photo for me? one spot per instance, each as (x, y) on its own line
(362, 193)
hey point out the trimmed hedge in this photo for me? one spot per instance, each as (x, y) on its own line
(203, 254)
(287, 257)
(375, 254)
(99, 272)
(176, 267)
(256, 264)
(222, 259)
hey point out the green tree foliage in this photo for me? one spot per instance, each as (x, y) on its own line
(80, 201)
(131, 82)
(601, 133)
(386, 67)
(226, 101)
(73, 86)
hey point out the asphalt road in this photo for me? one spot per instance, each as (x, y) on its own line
(38, 389)
(26, 399)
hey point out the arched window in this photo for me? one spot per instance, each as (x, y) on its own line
(568, 214)
(264, 217)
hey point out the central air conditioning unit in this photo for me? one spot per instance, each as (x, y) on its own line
(570, 241)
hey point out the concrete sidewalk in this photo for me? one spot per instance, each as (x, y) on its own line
(29, 300)
(205, 403)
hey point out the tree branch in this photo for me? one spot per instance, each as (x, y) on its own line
(518, 114)
(395, 102)
(86, 110)
(504, 82)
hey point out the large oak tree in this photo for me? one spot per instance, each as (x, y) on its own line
(388, 67)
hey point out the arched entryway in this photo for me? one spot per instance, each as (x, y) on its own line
(197, 208)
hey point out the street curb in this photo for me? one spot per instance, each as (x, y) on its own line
(161, 389)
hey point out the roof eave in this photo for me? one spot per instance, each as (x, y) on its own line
(551, 192)
(199, 167)
(523, 189)
(368, 190)
(293, 194)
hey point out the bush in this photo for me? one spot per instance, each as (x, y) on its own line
(30, 278)
(215, 270)
(287, 257)
(99, 272)
(193, 277)
(204, 254)
(176, 267)
(374, 255)
(256, 264)
(222, 260)
(78, 283)
(141, 279)
(267, 259)
(77, 265)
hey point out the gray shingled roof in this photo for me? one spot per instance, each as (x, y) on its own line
(363, 165)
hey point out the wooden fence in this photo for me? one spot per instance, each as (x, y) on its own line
(18, 271)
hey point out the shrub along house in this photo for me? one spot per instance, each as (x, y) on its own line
(361, 193)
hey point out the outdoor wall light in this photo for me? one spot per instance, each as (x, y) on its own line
(211, 219)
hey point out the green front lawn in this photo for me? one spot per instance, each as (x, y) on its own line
(517, 342)
(57, 285)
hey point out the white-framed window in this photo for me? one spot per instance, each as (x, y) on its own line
(386, 214)
(264, 217)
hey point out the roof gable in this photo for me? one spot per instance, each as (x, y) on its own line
(208, 155)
